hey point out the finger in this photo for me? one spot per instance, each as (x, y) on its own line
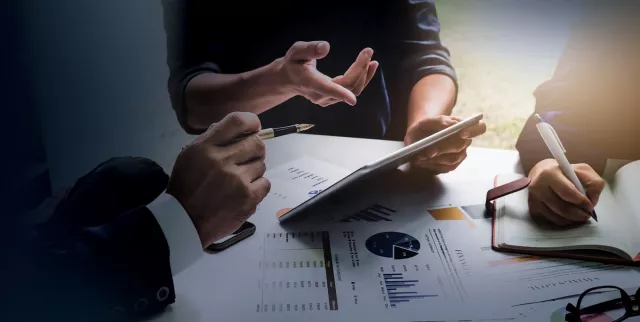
(364, 81)
(591, 180)
(307, 50)
(564, 209)
(449, 158)
(324, 86)
(426, 127)
(231, 127)
(451, 145)
(320, 100)
(434, 168)
(550, 216)
(536, 210)
(569, 193)
(359, 86)
(246, 150)
(327, 101)
(371, 71)
(358, 69)
(474, 130)
(261, 188)
(316, 98)
(253, 170)
(432, 125)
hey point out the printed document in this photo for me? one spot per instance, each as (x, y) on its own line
(433, 264)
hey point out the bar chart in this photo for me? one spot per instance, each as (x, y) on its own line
(373, 213)
(401, 290)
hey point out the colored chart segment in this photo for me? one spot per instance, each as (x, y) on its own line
(282, 212)
(451, 213)
(514, 260)
(393, 245)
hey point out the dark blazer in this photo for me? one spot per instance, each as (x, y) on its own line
(235, 36)
(101, 256)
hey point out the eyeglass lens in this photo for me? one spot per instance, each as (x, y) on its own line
(602, 305)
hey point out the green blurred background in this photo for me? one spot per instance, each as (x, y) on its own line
(502, 50)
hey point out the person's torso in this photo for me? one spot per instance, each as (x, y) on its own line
(253, 35)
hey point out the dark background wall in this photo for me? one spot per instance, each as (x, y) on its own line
(24, 178)
(97, 76)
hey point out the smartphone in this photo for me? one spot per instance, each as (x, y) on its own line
(247, 229)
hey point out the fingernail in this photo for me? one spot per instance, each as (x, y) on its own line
(322, 47)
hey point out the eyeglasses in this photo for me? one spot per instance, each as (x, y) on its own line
(601, 303)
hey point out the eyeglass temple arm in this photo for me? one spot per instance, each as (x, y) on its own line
(601, 307)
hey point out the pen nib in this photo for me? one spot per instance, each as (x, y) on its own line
(304, 127)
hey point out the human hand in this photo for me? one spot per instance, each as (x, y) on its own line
(220, 182)
(298, 68)
(554, 198)
(448, 154)
(357, 77)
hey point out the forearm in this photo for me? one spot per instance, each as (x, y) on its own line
(431, 96)
(211, 96)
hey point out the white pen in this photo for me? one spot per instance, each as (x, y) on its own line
(558, 151)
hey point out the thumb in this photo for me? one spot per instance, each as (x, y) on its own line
(303, 50)
(592, 182)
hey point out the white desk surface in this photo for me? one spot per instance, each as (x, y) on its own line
(196, 286)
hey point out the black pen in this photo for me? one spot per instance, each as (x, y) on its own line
(273, 132)
(280, 131)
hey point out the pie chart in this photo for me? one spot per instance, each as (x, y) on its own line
(393, 245)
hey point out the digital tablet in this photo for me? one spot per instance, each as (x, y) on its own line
(391, 161)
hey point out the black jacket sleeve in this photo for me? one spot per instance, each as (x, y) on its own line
(101, 256)
(191, 49)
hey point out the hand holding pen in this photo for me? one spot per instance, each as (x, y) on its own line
(560, 192)
(231, 151)
(266, 134)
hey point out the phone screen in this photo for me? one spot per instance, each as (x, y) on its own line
(224, 239)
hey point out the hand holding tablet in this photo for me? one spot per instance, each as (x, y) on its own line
(391, 161)
(447, 155)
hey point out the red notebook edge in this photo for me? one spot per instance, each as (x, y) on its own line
(556, 254)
